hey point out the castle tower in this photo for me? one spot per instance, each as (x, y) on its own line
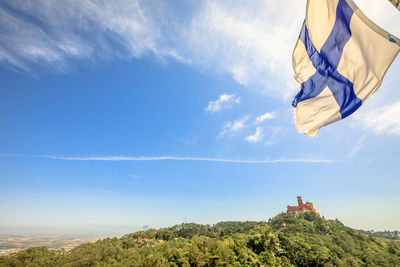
(300, 203)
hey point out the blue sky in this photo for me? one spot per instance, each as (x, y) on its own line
(131, 113)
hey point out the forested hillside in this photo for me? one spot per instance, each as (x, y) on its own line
(285, 240)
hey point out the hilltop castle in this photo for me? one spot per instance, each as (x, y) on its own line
(308, 206)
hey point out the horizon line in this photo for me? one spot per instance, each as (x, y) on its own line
(175, 158)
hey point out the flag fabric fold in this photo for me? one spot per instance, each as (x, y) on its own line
(340, 60)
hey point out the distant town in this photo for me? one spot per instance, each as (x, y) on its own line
(10, 243)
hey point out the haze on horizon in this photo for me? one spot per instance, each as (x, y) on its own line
(118, 115)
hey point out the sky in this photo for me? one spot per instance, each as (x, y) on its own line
(119, 115)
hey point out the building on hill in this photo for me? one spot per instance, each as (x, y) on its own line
(301, 207)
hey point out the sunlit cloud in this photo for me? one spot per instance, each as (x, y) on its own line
(266, 116)
(256, 137)
(224, 101)
(251, 42)
(60, 31)
(382, 120)
(231, 127)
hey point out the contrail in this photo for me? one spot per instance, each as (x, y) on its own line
(176, 158)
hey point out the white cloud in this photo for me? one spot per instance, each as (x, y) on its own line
(233, 126)
(251, 41)
(134, 176)
(223, 102)
(267, 116)
(357, 147)
(178, 158)
(49, 33)
(383, 120)
(256, 137)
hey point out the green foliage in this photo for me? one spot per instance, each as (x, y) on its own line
(286, 240)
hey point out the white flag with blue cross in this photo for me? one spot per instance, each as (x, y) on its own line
(340, 60)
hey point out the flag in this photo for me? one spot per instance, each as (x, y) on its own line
(340, 60)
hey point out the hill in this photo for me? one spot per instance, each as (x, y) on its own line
(285, 240)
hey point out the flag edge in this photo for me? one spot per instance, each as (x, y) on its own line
(371, 24)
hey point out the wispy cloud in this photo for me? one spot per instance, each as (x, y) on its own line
(382, 120)
(358, 145)
(134, 176)
(251, 41)
(266, 116)
(256, 137)
(177, 158)
(224, 101)
(52, 33)
(231, 127)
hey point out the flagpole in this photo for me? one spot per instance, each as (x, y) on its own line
(396, 3)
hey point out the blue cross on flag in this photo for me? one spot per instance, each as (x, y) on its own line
(340, 60)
